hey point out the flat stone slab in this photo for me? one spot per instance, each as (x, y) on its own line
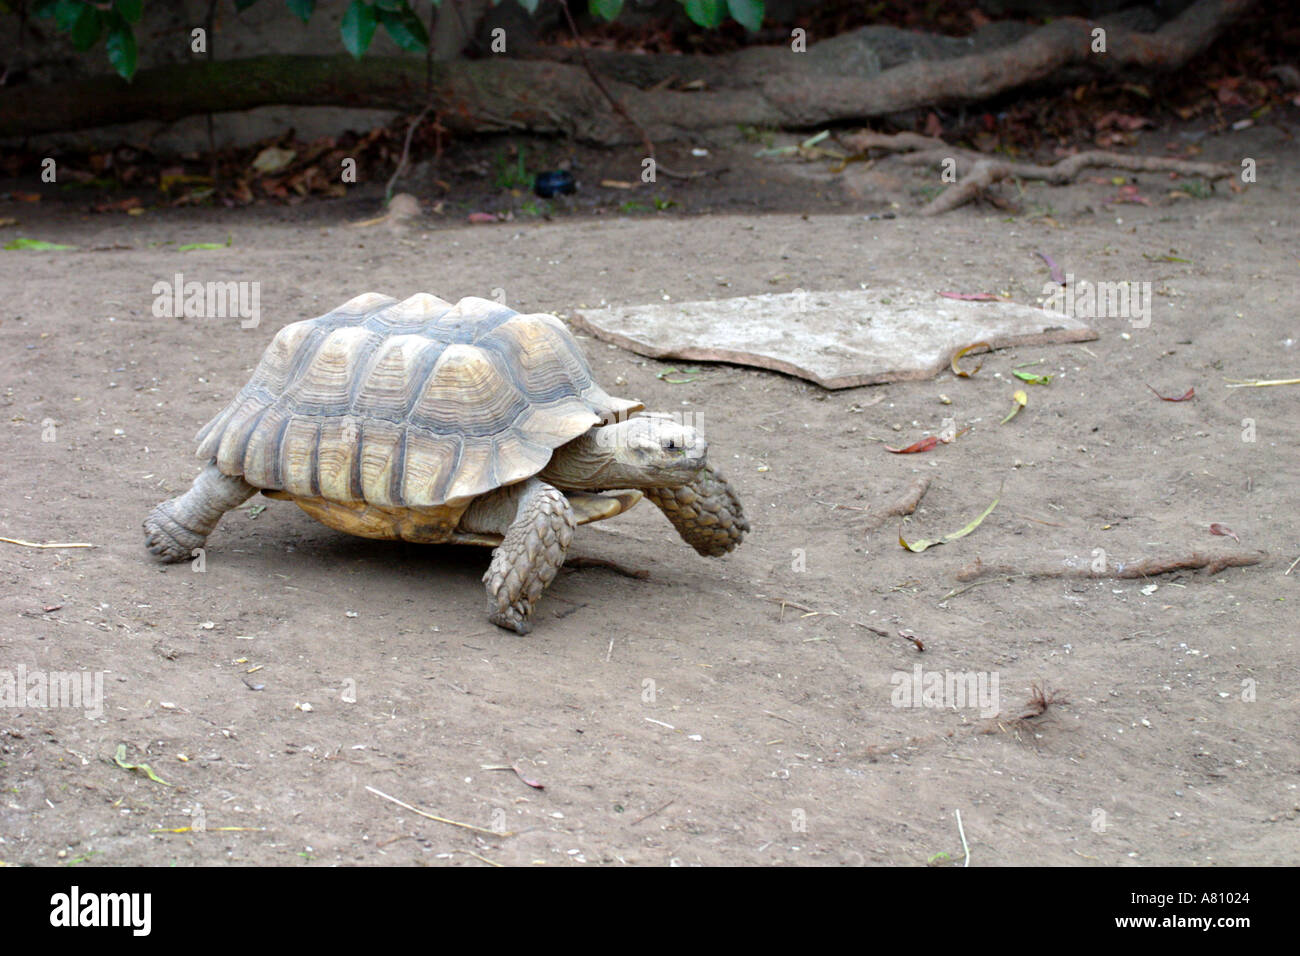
(836, 339)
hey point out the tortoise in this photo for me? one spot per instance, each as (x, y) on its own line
(427, 422)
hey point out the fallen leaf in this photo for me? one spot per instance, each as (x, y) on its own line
(532, 783)
(119, 758)
(925, 444)
(272, 160)
(966, 351)
(918, 546)
(1021, 401)
(477, 217)
(1225, 532)
(1164, 398)
(1122, 121)
(26, 197)
(663, 376)
(36, 245)
(205, 245)
(167, 181)
(1033, 379)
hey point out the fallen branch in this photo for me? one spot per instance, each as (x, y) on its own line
(653, 812)
(1145, 568)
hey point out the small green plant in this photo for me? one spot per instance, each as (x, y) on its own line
(512, 175)
(1197, 188)
(758, 134)
(632, 207)
(661, 204)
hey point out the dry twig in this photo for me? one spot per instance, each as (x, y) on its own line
(1145, 568)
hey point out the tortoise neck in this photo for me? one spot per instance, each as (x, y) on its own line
(589, 464)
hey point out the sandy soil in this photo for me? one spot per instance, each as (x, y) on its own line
(687, 717)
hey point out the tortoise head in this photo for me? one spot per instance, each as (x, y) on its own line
(649, 451)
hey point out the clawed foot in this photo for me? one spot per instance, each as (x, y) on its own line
(513, 617)
(165, 537)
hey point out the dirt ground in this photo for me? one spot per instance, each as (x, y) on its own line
(686, 718)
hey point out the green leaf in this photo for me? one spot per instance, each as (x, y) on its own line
(706, 13)
(302, 9)
(131, 10)
(66, 13)
(191, 246)
(358, 27)
(121, 47)
(242, 5)
(119, 758)
(605, 9)
(529, 5)
(917, 547)
(36, 245)
(748, 13)
(406, 29)
(1032, 379)
(87, 28)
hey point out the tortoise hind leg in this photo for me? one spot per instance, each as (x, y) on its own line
(179, 525)
(705, 512)
(530, 556)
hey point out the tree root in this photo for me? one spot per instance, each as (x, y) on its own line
(758, 86)
(981, 171)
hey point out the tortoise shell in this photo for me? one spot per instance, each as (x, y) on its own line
(383, 406)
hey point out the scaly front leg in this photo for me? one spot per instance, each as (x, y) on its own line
(177, 526)
(705, 512)
(530, 556)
